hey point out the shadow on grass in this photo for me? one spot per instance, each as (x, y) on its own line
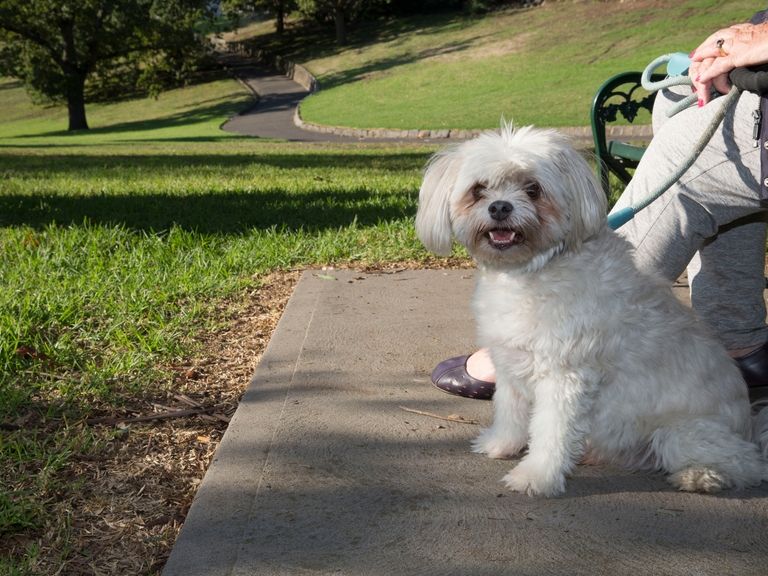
(198, 115)
(211, 213)
(382, 64)
(322, 202)
(48, 165)
(9, 84)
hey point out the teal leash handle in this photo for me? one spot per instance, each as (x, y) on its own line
(677, 68)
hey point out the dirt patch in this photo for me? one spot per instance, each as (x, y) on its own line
(483, 48)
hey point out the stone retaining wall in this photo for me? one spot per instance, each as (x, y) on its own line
(295, 72)
(628, 132)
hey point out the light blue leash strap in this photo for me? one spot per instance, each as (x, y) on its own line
(674, 62)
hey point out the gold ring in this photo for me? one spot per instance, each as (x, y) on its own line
(720, 48)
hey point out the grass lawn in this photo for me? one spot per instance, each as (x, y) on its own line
(119, 248)
(540, 65)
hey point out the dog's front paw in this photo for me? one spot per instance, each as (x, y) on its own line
(495, 445)
(530, 479)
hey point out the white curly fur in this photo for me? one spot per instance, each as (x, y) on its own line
(591, 354)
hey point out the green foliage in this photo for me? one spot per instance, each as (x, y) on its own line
(55, 46)
(401, 7)
(339, 13)
(278, 9)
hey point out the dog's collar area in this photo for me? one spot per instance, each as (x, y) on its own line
(539, 261)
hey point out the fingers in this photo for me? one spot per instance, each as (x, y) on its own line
(722, 83)
(710, 64)
(712, 60)
(721, 52)
(711, 47)
(702, 89)
(705, 76)
(719, 44)
(715, 68)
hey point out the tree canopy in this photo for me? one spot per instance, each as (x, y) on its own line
(340, 12)
(276, 8)
(55, 46)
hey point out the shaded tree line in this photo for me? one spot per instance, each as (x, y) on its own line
(340, 14)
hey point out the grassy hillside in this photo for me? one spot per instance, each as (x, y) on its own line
(187, 113)
(538, 66)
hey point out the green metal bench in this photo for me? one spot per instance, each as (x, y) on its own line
(620, 95)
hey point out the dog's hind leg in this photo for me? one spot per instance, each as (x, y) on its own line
(705, 455)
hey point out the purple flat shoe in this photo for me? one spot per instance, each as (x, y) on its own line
(754, 368)
(451, 376)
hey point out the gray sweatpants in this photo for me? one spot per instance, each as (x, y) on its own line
(711, 221)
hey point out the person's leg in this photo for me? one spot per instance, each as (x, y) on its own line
(712, 219)
(727, 279)
(715, 210)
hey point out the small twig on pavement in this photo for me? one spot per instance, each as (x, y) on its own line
(449, 418)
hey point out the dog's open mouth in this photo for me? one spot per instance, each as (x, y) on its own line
(503, 238)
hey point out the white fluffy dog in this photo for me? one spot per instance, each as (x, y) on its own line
(594, 359)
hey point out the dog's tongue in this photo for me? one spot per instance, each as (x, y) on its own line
(502, 235)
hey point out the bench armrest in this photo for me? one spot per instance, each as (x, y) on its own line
(620, 96)
(627, 151)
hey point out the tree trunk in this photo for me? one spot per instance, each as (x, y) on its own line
(341, 27)
(280, 18)
(76, 101)
(74, 77)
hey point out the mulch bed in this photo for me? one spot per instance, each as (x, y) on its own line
(136, 489)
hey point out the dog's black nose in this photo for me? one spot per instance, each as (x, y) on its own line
(500, 209)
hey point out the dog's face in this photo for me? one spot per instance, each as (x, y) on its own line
(509, 197)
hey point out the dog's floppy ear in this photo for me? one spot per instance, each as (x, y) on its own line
(589, 200)
(433, 219)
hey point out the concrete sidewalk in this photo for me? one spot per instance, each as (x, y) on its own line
(322, 471)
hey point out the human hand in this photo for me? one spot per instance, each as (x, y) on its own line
(702, 84)
(726, 49)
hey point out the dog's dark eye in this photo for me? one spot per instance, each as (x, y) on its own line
(533, 190)
(478, 190)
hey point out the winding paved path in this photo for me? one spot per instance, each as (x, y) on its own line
(272, 115)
